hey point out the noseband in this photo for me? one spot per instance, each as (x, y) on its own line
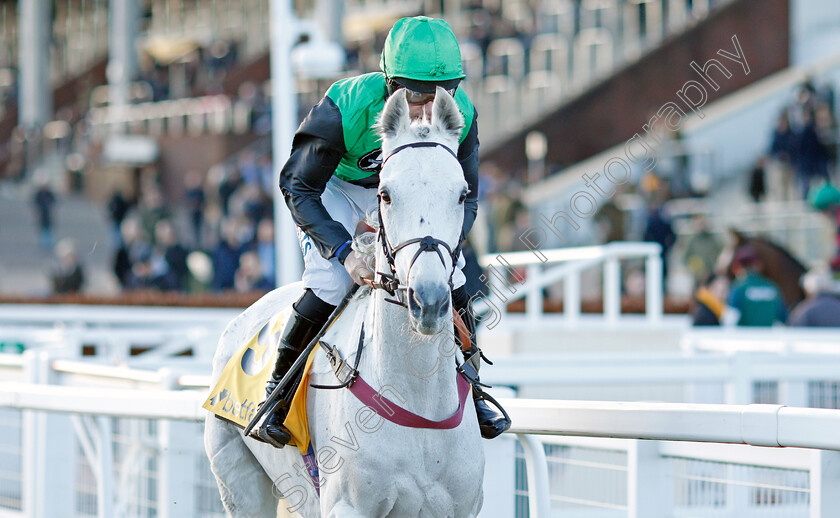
(389, 281)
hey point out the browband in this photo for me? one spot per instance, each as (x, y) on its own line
(419, 144)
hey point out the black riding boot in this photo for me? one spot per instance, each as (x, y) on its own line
(297, 334)
(490, 422)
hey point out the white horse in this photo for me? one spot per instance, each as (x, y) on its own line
(369, 466)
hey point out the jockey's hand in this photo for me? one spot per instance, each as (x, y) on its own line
(357, 268)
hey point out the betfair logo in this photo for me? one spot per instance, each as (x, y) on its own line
(243, 411)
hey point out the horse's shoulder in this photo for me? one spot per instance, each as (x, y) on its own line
(344, 333)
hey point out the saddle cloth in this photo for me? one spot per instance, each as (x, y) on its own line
(241, 387)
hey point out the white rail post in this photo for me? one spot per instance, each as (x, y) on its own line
(500, 469)
(48, 446)
(738, 390)
(793, 393)
(177, 468)
(534, 297)
(571, 297)
(539, 497)
(653, 288)
(105, 482)
(649, 493)
(612, 290)
(825, 479)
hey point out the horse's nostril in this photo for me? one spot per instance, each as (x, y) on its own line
(414, 304)
(444, 308)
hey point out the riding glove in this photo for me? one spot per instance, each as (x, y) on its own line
(357, 268)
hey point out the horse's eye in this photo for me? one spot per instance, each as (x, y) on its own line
(385, 196)
(462, 197)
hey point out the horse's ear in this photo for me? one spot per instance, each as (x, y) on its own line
(394, 119)
(446, 116)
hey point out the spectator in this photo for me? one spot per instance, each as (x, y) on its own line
(779, 169)
(194, 202)
(68, 276)
(227, 187)
(150, 272)
(702, 250)
(709, 303)
(811, 158)
(226, 256)
(610, 221)
(173, 255)
(267, 178)
(151, 210)
(826, 199)
(248, 168)
(133, 246)
(118, 207)
(758, 186)
(249, 276)
(821, 308)
(754, 299)
(265, 249)
(659, 230)
(44, 200)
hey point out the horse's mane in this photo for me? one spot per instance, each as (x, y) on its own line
(364, 244)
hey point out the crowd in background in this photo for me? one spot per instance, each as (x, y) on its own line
(218, 236)
(803, 148)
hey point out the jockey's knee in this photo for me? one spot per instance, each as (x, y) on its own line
(313, 308)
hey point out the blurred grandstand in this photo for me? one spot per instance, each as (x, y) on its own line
(135, 148)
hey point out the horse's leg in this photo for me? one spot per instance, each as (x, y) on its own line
(246, 490)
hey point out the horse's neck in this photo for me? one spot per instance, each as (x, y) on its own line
(414, 366)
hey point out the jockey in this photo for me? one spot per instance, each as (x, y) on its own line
(330, 183)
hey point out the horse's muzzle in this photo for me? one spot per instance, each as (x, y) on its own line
(428, 304)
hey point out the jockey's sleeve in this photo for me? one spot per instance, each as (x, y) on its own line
(317, 149)
(468, 156)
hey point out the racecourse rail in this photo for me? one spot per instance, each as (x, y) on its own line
(758, 425)
(648, 430)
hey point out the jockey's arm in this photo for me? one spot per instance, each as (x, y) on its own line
(468, 157)
(317, 149)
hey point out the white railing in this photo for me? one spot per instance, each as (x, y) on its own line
(115, 332)
(780, 340)
(650, 470)
(544, 268)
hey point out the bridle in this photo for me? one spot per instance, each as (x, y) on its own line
(389, 281)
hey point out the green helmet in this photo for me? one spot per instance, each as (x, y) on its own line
(422, 52)
(824, 196)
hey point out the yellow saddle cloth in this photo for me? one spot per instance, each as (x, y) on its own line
(241, 387)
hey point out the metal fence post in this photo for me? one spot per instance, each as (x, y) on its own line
(177, 469)
(571, 297)
(738, 390)
(825, 479)
(653, 288)
(649, 495)
(49, 451)
(612, 290)
(539, 497)
(534, 297)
